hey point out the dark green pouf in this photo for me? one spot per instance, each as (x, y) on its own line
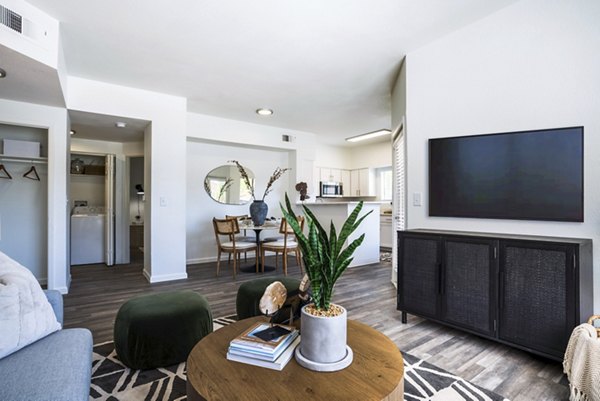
(161, 329)
(250, 292)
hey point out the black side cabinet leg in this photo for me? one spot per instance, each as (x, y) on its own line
(404, 317)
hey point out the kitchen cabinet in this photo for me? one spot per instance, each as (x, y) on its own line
(526, 291)
(366, 183)
(386, 232)
(358, 182)
(330, 174)
(362, 182)
(354, 184)
(345, 181)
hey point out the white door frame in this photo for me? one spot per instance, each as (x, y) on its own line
(398, 204)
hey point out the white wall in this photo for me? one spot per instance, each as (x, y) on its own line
(371, 155)
(165, 147)
(55, 121)
(202, 157)
(243, 134)
(531, 65)
(332, 156)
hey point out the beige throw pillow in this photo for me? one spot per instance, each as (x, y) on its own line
(25, 313)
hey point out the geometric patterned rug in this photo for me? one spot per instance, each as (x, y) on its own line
(424, 381)
(113, 381)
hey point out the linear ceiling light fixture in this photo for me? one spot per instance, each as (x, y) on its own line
(264, 112)
(369, 135)
(2, 73)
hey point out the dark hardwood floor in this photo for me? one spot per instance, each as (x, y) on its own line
(97, 292)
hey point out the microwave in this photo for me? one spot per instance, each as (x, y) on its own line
(330, 189)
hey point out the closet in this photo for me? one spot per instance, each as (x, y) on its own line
(24, 197)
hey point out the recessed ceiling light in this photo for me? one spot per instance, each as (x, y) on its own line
(120, 124)
(264, 112)
(72, 132)
(369, 135)
(2, 73)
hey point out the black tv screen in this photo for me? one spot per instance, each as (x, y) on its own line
(528, 175)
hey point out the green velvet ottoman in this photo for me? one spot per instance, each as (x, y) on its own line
(250, 292)
(161, 329)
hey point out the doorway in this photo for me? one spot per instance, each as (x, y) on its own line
(137, 199)
(101, 148)
(92, 189)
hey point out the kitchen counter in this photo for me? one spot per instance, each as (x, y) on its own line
(338, 212)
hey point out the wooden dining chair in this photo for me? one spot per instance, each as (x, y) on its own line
(229, 228)
(289, 244)
(238, 219)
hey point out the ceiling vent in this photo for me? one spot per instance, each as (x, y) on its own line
(11, 19)
(287, 138)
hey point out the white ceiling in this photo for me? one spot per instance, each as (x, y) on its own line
(29, 81)
(323, 66)
(103, 127)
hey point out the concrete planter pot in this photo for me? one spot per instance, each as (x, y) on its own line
(323, 345)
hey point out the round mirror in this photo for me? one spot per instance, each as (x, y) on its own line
(225, 185)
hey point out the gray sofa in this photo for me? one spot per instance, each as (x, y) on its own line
(55, 368)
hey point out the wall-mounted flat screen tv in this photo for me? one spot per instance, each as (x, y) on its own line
(528, 175)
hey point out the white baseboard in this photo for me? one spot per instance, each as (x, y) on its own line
(164, 277)
(62, 290)
(363, 262)
(224, 257)
(208, 259)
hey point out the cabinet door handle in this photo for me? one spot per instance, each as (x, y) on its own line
(440, 285)
(501, 289)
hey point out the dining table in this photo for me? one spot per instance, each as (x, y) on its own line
(269, 224)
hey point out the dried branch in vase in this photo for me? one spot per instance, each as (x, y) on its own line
(245, 177)
(274, 177)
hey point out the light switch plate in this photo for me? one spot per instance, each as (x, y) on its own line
(416, 199)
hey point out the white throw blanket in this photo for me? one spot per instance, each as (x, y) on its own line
(25, 313)
(582, 364)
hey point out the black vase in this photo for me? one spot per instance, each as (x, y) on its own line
(258, 212)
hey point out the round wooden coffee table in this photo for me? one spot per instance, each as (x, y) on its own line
(377, 372)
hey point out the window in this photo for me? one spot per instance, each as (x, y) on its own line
(385, 183)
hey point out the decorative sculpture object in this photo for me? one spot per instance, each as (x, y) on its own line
(302, 187)
(273, 298)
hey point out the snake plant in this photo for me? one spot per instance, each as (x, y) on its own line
(324, 257)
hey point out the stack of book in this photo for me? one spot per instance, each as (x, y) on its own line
(266, 345)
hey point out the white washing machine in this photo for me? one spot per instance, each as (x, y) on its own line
(87, 235)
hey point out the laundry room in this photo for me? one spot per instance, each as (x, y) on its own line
(88, 214)
(106, 189)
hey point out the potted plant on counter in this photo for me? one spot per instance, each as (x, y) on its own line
(323, 345)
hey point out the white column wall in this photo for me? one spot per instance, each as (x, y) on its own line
(165, 186)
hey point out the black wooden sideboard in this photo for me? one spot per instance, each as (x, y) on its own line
(525, 291)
